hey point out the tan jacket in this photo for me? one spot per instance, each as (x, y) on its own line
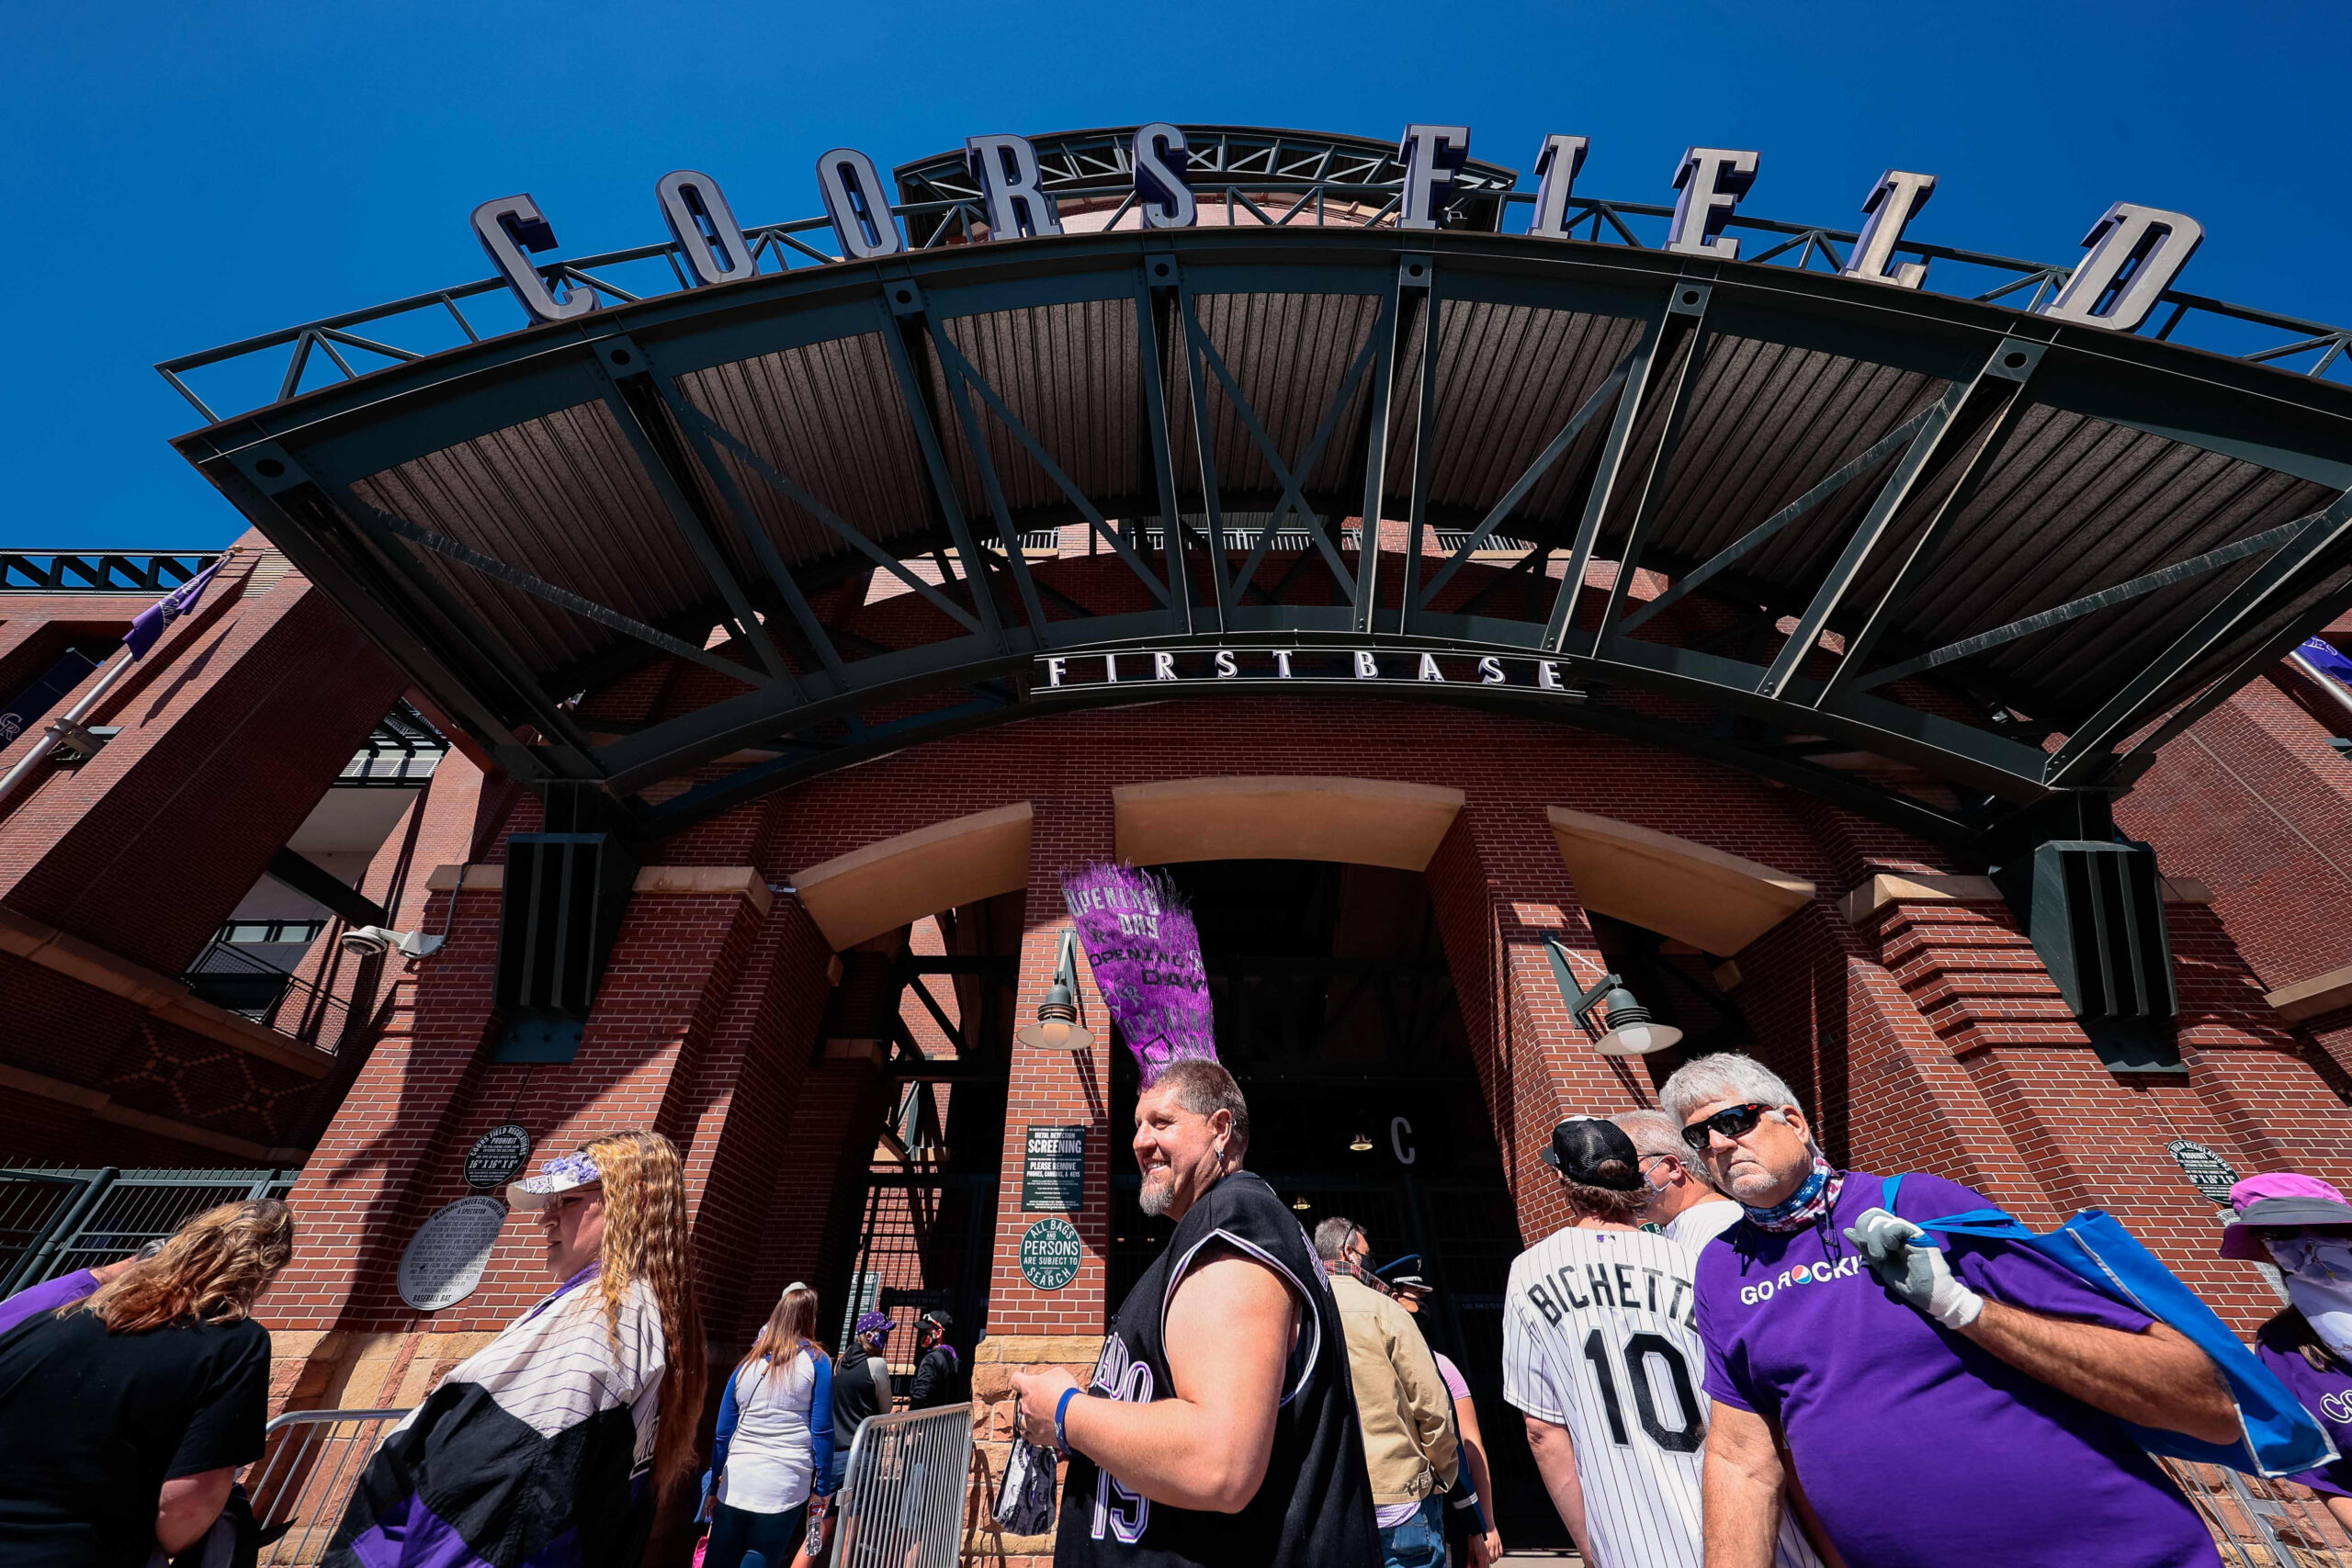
(1408, 1417)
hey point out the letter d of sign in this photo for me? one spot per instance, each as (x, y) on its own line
(853, 192)
(1161, 194)
(506, 228)
(1712, 180)
(1006, 170)
(2136, 252)
(1555, 173)
(705, 227)
(1893, 202)
(1432, 155)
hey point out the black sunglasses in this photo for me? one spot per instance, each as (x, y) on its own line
(1732, 1121)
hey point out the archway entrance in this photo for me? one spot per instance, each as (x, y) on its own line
(1336, 1012)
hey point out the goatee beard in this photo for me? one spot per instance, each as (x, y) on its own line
(1157, 1194)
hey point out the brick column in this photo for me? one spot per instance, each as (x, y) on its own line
(2046, 1129)
(1029, 1327)
(395, 1153)
(1500, 889)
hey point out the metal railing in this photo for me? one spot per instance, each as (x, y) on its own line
(310, 1461)
(901, 1503)
(2258, 1523)
(100, 571)
(228, 977)
(425, 321)
(54, 1221)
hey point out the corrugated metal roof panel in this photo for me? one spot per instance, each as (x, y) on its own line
(1072, 376)
(830, 418)
(562, 498)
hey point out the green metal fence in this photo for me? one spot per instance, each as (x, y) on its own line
(54, 1221)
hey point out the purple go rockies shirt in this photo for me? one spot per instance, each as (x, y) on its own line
(2327, 1394)
(1918, 1449)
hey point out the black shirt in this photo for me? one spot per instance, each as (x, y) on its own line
(938, 1376)
(92, 1424)
(861, 1388)
(1314, 1509)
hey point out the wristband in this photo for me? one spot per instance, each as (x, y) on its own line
(1061, 1413)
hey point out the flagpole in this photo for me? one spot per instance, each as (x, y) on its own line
(146, 629)
(81, 710)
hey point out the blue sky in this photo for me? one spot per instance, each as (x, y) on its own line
(178, 177)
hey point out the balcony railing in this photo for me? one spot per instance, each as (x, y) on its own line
(100, 571)
(228, 975)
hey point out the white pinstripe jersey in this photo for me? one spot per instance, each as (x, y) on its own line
(1597, 1338)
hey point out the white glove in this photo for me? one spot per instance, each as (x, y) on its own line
(1920, 1277)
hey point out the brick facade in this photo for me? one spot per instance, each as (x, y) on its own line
(1924, 1033)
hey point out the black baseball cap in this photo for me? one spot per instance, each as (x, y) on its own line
(938, 1320)
(1582, 1145)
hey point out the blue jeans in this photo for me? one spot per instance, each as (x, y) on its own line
(740, 1538)
(1419, 1543)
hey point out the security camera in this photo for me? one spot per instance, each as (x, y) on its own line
(366, 941)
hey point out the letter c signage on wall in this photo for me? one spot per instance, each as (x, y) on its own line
(1398, 1129)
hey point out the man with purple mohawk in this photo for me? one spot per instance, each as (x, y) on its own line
(1219, 1429)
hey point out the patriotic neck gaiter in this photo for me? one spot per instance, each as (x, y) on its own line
(1807, 1204)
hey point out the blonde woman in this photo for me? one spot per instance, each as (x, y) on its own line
(774, 1444)
(550, 1444)
(124, 1415)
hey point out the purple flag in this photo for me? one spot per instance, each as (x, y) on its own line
(1147, 956)
(169, 608)
(2321, 654)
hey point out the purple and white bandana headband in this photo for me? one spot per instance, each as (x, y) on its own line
(1807, 1204)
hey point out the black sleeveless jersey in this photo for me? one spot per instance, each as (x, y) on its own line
(1313, 1509)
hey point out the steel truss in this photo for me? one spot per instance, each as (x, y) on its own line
(1704, 667)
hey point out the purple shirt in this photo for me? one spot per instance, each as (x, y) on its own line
(47, 1297)
(1919, 1449)
(2328, 1396)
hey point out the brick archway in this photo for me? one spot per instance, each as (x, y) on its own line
(1364, 821)
(884, 885)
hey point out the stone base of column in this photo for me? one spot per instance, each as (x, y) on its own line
(340, 1370)
(994, 1361)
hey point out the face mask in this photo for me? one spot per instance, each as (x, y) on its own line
(2319, 1281)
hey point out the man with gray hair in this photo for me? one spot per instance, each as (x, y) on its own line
(1956, 1409)
(1680, 1200)
(1411, 1448)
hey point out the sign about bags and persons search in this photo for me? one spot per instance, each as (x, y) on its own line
(1051, 1254)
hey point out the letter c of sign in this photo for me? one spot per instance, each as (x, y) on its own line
(1398, 1128)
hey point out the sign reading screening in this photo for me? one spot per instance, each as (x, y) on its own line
(2135, 252)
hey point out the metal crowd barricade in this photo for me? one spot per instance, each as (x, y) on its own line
(305, 1476)
(901, 1502)
(2259, 1524)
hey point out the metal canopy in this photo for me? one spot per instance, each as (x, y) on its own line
(1932, 558)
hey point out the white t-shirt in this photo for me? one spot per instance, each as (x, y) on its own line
(1597, 1338)
(772, 1454)
(1696, 1225)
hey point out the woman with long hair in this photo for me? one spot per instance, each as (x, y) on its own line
(125, 1413)
(774, 1446)
(552, 1443)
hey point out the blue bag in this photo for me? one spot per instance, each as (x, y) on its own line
(2280, 1437)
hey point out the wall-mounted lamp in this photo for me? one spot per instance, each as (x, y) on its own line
(1300, 1204)
(1629, 1032)
(1060, 1025)
(1360, 1143)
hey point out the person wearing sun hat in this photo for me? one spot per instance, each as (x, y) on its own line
(552, 1443)
(2305, 1227)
